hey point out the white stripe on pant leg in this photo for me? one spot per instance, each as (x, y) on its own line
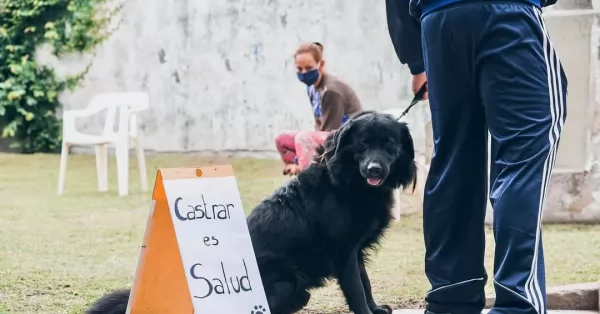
(454, 285)
(532, 285)
(554, 137)
(532, 288)
(563, 106)
(561, 118)
(529, 286)
(559, 94)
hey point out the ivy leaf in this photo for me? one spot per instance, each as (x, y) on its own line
(16, 94)
(31, 101)
(10, 129)
(51, 35)
(51, 95)
(29, 116)
(15, 68)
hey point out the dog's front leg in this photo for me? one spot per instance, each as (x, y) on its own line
(364, 277)
(351, 285)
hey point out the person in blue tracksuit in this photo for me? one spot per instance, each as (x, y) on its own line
(489, 66)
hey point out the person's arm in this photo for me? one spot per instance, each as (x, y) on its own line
(332, 111)
(405, 32)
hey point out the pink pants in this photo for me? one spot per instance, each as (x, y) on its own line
(299, 147)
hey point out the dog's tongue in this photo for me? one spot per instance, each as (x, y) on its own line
(373, 181)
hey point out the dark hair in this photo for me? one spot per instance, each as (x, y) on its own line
(314, 48)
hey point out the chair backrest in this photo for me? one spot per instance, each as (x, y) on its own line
(125, 104)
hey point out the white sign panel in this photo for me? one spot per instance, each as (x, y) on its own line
(215, 246)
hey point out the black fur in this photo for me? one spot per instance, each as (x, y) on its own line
(112, 303)
(323, 223)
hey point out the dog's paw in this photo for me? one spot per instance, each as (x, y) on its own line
(382, 309)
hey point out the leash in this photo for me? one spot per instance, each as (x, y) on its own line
(418, 97)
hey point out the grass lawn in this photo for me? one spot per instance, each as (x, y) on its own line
(58, 254)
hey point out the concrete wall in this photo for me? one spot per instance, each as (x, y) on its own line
(574, 194)
(221, 78)
(220, 74)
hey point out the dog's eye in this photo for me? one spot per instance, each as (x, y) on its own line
(392, 147)
(363, 145)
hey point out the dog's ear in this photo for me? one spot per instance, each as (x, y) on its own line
(404, 169)
(334, 156)
(335, 140)
(340, 137)
(407, 144)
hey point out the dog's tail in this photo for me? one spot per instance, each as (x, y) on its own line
(112, 303)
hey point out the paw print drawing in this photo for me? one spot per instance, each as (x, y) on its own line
(259, 309)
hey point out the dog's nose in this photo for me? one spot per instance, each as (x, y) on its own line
(374, 169)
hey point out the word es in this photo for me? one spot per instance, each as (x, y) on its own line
(203, 211)
(217, 285)
(211, 241)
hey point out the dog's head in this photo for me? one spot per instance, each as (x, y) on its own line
(373, 149)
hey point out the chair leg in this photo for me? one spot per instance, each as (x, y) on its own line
(422, 170)
(419, 191)
(141, 159)
(122, 154)
(62, 171)
(102, 167)
(396, 212)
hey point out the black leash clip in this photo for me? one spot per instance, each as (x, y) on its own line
(418, 97)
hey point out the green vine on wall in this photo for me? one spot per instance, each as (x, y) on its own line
(29, 91)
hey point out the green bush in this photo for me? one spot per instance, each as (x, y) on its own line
(28, 91)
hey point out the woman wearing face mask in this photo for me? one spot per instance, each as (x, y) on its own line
(333, 102)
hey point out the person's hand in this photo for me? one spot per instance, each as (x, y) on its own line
(291, 170)
(418, 81)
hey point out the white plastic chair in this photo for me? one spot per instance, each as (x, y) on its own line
(126, 105)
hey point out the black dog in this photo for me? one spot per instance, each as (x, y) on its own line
(323, 223)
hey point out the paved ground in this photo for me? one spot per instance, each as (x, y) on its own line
(485, 311)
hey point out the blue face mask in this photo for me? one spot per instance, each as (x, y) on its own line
(310, 77)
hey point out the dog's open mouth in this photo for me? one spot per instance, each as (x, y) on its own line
(374, 181)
